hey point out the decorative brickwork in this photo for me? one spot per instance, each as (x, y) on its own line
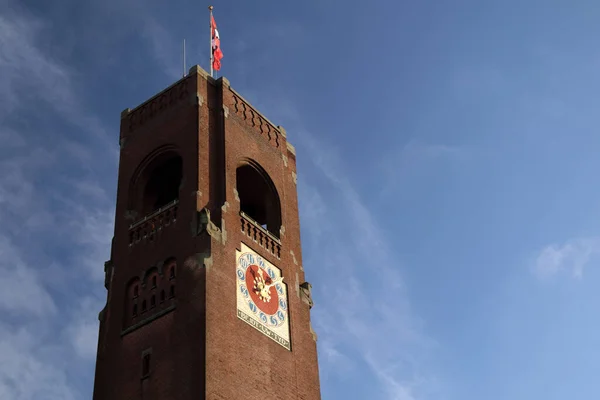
(255, 120)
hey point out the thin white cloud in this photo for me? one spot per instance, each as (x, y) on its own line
(21, 289)
(164, 47)
(35, 280)
(414, 157)
(25, 373)
(570, 258)
(83, 330)
(368, 306)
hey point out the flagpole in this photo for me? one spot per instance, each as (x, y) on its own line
(184, 71)
(210, 8)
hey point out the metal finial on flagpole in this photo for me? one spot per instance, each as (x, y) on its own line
(210, 8)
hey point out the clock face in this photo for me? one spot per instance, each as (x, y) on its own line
(262, 296)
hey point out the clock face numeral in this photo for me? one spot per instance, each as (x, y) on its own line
(253, 307)
(262, 317)
(241, 275)
(262, 296)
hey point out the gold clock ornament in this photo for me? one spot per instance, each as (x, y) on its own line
(262, 296)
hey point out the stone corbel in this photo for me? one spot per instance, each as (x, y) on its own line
(306, 293)
(108, 273)
(102, 314)
(131, 215)
(204, 224)
(197, 261)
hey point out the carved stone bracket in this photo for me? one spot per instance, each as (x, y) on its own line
(108, 273)
(203, 223)
(225, 207)
(102, 314)
(198, 260)
(131, 215)
(306, 293)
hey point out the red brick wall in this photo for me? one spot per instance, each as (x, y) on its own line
(200, 349)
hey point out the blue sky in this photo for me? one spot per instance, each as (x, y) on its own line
(447, 154)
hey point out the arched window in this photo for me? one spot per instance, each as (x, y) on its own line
(154, 282)
(144, 306)
(163, 183)
(172, 272)
(172, 291)
(258, 197)
(162, 296)
(152, 301)
(156, 181)
(130, 301)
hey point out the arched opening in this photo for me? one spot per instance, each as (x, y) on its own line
(162, 183)
(131, 300)
(258, 197)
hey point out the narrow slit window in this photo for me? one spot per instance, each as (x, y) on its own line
(136, 291)
(146, 365)
(152, 301)
(153, 282)
(172, 273)
(172, 291)
(144, 306)
(134, 312)
(162, 296)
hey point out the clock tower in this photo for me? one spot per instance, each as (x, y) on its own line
(206, 294)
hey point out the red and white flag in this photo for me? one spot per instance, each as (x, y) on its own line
(217, 54)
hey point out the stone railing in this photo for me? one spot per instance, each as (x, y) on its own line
(156, 105)
(148, 227)
(256, 120)
(260, 235)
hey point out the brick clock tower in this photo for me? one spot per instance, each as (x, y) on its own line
(206, 291)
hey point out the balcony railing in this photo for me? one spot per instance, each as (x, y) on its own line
(148, 227)
(260, 235)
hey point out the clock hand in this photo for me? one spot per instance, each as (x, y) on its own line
(274, 282)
